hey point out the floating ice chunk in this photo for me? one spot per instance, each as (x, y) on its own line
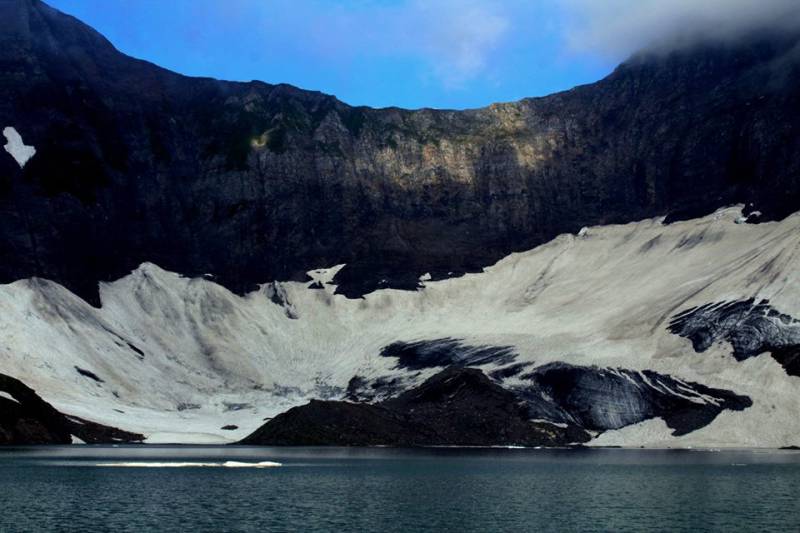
(77, 440)
(18, 149)
(262, 464)
(226, 464)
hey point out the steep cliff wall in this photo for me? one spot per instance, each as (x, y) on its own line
(253, 182)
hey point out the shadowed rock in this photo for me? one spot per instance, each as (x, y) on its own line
(752, 328)
(28, 419)
(446, 352)
(253, 182)
(462, 406)
(600, 399)
(458, 406)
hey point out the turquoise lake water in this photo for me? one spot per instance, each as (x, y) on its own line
(388, 490)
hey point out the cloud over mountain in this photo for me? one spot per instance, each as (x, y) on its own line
(621, 27)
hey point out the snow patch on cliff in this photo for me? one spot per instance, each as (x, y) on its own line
(7, 396)
(18, 149)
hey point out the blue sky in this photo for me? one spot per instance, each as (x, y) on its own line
(408, 53)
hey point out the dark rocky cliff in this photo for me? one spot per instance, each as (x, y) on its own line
(462, 406)
(458, 406)
(25, 418)
(253, 182)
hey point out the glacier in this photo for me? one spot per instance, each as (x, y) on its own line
(178, 358)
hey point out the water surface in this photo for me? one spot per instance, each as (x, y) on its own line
(388, 490)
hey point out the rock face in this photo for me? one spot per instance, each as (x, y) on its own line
(445, 352)
(458, 406)
(25, 418)
(333, 423)
(557, 405)
(600, 399)
(253, 182)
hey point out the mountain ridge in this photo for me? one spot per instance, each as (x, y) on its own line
(254, 182)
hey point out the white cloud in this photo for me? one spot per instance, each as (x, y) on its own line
(458, 37)
(620, 27)
(454, 38)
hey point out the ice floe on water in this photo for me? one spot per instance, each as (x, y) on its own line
(226, 464)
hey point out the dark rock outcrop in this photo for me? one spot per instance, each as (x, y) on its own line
(465, 407)
(253, 182)
(360, 389)
(559, 405)
(458, 406)
(600, 399)
(751, 328)
(28, 419)
(333, 423)
(446, 352)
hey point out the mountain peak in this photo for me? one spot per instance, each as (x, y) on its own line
(15, 15)
(34, 20)
(43, 43)
(18, 4)
(392, 194)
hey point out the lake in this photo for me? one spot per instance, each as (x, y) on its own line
(388, 490)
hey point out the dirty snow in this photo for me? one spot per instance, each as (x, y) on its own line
(212, 358)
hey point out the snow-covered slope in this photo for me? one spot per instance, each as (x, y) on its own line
(177, 359)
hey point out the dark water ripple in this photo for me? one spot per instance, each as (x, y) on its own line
(60, 489)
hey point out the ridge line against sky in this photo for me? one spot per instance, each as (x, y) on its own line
(414, 53)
